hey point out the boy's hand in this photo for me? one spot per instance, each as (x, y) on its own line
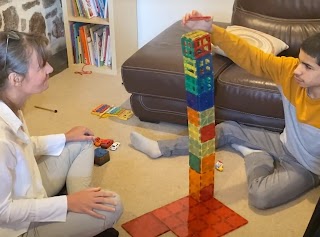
(190, 20)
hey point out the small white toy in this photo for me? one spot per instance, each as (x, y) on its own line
(115, 146)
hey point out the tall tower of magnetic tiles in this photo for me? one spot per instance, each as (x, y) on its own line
(198, 69)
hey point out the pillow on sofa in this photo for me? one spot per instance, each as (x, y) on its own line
(265, 42)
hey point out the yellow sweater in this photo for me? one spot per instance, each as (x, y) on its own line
(301, 135)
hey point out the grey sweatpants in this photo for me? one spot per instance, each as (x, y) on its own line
(73, 168)
(274, 176)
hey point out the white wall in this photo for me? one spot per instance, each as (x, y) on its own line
(156, 15)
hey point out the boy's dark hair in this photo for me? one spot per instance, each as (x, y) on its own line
(311, 46)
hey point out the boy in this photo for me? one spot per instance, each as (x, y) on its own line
(279, 167)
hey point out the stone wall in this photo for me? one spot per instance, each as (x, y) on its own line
(41, 16)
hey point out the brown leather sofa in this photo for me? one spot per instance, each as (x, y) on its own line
(154, 74)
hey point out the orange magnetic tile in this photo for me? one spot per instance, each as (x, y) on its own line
(212, 218)
(201, 195)
(182, 231)
(206, 193)
(186, 216)
(198, 225)
(199, 210)
(146, 225)
(224, 211)
(213, 204)
(222, 228)
(193, 116)
(200, 180)
(235, 221)
(209, 232)
(188, 202)
(162, 213)
(190, 218)
(173, 221)
(207, 178)
(208, 163)
(171, 208)
(175, 207)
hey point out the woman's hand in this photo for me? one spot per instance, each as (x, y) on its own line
(89, 200)
(79, 133)
(204, 24)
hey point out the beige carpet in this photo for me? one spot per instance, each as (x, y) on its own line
(145, 184)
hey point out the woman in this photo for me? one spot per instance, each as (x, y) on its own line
(34, 169)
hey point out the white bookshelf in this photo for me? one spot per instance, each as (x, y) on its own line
(122, 23)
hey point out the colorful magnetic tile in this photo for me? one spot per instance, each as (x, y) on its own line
(207, 132)
(186, 217)
(200, 102)
(203, 194)
(147, 226)
(196, 44)
(201, 134)
(202, 164)
(199, 85)
(201, 149)
(198, 68)
(199, 181)
(201, 118)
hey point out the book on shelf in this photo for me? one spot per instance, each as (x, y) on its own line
(75, 37)
(74, 8)
(105, 36)
(84, 44)
(90, 8)
(91, 43)
(108, 61)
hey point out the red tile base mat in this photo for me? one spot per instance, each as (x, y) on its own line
(185, 218)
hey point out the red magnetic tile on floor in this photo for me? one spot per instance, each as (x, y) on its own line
(161, 213)
(209, 232)
(212, 218)
(222, 228)
(198, 225)
(188, 202)
(224, 211)
(235, 221)
(172, 222)
(199, 210)
(175, 207)
(188, 218)
(146, 225)
(213, 204)
(181, 231)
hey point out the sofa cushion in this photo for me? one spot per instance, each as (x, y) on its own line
(240, 91)
(291, 21)
(263, 41)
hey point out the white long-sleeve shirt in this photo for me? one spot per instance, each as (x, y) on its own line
(23, 198)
